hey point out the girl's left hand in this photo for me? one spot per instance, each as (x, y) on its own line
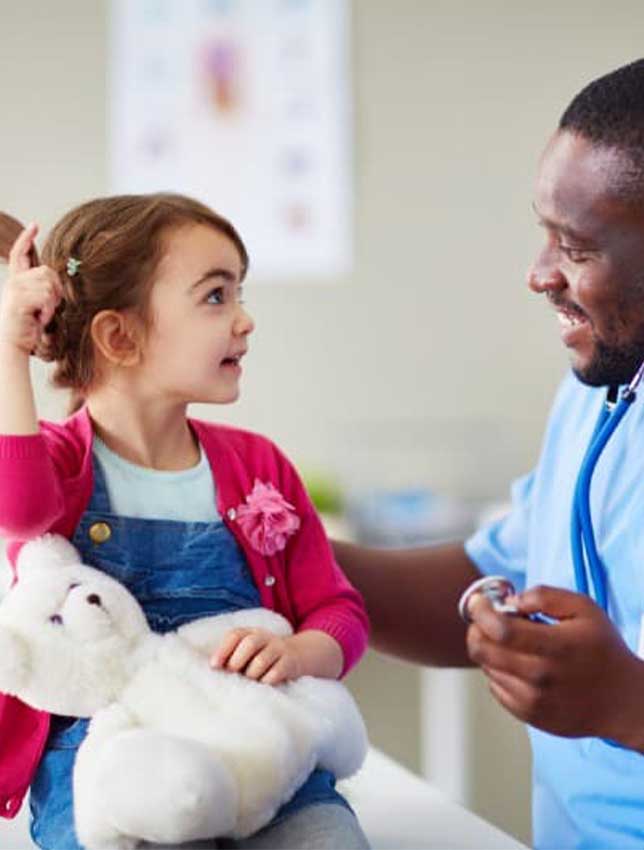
(258, 654)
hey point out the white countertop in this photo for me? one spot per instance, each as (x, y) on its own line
(398, 811)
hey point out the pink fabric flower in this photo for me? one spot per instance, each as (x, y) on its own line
(267, 519)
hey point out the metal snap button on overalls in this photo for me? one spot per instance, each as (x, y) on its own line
(100, 532)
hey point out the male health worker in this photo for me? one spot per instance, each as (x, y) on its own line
(579, 680)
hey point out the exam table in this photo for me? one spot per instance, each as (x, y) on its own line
(398, 811)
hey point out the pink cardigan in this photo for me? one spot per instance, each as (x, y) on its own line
(46, 483)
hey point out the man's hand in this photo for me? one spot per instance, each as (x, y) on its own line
(260, 655)
(574, 678)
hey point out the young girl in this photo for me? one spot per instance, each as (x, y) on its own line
(139, 304)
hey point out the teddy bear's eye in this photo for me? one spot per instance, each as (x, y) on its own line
(56, 618)
(73, 585)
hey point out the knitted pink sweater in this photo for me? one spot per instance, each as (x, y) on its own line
(46, 483)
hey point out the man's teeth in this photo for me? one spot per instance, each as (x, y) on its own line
(568, 320)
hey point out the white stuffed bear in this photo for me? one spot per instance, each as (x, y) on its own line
(176, 751)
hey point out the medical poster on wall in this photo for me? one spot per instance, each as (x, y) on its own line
(243, 104)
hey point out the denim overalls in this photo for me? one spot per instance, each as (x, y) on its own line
(178, 571)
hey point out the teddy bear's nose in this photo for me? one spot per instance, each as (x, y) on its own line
(94, 599)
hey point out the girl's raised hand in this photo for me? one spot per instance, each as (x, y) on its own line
(29, 297)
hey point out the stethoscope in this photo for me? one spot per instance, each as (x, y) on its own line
(582, 536)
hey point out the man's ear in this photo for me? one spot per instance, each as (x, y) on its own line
(14, 662)
(116, 336)
(50, 550)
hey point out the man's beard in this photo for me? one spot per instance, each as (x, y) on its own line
(612, 365)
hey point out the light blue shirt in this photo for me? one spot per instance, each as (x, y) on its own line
(186, 495)
(586, 793)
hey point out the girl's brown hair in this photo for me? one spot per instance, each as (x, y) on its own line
(119, 242)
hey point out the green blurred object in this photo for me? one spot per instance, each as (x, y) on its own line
(324, 491)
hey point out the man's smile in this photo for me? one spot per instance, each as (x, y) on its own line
(572, 319)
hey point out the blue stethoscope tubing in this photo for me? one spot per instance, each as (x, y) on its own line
(582, 537)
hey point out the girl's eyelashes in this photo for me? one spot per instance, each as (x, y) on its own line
(218, 295)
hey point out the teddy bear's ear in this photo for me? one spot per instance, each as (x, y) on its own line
(14, 662)
(48, 550)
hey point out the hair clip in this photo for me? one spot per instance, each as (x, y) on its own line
(72, 266)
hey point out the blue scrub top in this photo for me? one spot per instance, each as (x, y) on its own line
(586, 793)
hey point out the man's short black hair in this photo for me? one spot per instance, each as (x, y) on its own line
(609, 112)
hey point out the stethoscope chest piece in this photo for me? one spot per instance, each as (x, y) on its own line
(495, 588)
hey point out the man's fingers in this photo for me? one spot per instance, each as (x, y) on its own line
(524, 700)
(521, 689)
(553, 601)
(506, 698)
(531, 665)
(19, 256)
(519, 633)
(481, 612)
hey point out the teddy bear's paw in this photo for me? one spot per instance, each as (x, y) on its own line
(95, 832)
(167, 789)
(121, 842)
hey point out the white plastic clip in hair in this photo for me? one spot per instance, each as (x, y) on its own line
(72, 266)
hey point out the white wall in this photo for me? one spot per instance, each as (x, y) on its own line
(433, 352)
(431, 364)
(410, 354)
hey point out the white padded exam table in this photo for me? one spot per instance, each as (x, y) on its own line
(398, 810)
